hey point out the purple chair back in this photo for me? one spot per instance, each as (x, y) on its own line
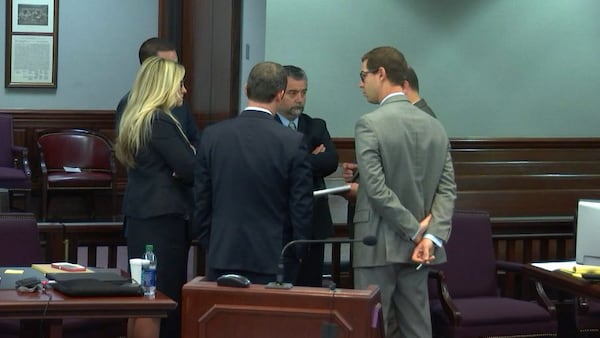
(470, 249)
(19, 240)
(6, 141)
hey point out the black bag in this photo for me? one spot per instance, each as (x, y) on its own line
(94, 284)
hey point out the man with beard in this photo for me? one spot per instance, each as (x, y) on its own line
(245, 217)
(324, 161)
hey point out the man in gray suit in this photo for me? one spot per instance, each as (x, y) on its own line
(405, 196)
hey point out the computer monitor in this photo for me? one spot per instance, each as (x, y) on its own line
(587, 232)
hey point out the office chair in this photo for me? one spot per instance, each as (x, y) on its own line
(464, 296)
(15, 175)
(76, 161)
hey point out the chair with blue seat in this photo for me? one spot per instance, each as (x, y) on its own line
(464, 295)
(15, 175)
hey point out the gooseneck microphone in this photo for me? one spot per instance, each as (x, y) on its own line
(279, 284)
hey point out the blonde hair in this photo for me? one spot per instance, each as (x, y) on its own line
(157, 86)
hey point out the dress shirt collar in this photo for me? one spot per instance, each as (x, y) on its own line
(390, 95)
(286, 122)
(259, 109)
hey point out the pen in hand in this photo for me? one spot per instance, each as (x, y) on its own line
(426, 262)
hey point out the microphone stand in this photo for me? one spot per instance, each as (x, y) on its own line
(279, 284)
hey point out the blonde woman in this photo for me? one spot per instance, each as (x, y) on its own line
(158, 197)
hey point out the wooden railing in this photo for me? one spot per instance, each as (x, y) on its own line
(530, 187)
(99, 244)
(103, 244)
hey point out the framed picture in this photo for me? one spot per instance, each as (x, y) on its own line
(31, 43)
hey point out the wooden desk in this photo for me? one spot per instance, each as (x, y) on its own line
(563, 281)
(569, 284)
(209, 311)
(29, 307)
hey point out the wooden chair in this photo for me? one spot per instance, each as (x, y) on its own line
(77, 161)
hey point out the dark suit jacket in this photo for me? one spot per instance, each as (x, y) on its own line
(323, 164)
(181, 113)
(161, 182)
(253, 192)
(421, 104)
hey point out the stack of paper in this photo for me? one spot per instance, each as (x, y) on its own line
(570, 267)
(47, 268)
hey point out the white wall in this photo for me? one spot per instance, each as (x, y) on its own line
(98, 42)
(487, 68)
(253, 40)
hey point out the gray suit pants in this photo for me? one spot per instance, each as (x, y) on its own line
(404, 298)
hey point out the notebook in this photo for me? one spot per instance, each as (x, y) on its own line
(9, 275)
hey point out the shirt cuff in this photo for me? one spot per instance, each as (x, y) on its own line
(438, 242)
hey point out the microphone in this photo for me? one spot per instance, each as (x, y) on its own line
(279, 284)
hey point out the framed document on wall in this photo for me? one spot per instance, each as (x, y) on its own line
(31, 43)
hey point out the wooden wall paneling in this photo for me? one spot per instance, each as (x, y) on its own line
(169, 20)
(28, 123)
(51, 238)
(532, 177)
(211, 54)
(345, 149)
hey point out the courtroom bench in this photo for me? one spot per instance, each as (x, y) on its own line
(530, 187)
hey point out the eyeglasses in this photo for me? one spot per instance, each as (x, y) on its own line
(363, 74)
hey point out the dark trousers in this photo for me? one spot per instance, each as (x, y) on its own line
(310, 271)
(169, 236)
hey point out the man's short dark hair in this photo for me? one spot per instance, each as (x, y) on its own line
(391, 59)
(412, 79)
(295, 73)
(152, 46)
(266, 80)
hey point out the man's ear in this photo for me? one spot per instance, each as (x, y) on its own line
(405, 84)
(280, 95)
(246, 89)
(382, 73)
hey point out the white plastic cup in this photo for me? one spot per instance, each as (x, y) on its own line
(135, 267)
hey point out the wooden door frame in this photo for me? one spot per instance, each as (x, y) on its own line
(208, 35)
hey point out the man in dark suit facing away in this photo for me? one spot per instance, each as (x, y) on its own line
(166, 50)
(410, 87)
(324, 161)
(252, 185)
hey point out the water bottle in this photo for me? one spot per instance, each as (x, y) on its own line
(149, 272)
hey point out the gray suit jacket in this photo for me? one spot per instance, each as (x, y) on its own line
(406, 172)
